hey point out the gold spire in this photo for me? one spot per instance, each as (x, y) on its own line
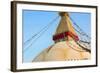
(65, 25)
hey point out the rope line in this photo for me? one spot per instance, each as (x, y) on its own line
(41, 32)
(79, 32)
(70, 45)
(82, 32)
(88, 50)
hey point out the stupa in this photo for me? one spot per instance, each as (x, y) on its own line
(65, 47)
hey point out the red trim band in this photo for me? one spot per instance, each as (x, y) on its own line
(65, 34)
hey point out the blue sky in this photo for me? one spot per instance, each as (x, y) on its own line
(34, 21)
